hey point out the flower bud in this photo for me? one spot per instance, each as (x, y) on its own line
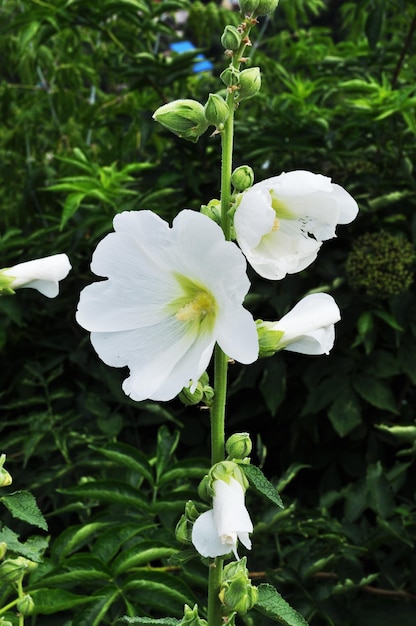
(5, 478)
(184, 118)
(25, 605)
(12, 570)
(189, 398)
(3, 549)
(224, 470)
(212, 210)
(250, 83)
(204, 489)
(191, 617)
(183, 530)
(236, 591)
(5, 622)
(269, 339)
(238, 446)
(230, 76)
(216, 110)
(266, 7)
(242, 178)
(231, 38)
(6, 284)
(248, 6)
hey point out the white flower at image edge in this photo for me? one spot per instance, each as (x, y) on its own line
(309, 327)
(171, 294)
(216, 531)
(280, 223)
(41, 274)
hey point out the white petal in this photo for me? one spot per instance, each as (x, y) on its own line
(205, 537)
(236, 335)
(42, 274)
(308, 327)
(230, 513)
(347, 205)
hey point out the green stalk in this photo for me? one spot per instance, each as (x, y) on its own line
(221, 359)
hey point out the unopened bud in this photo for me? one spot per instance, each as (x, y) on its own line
(3, 549)
(11, 570)
(212, 210)
(242, 178)
(5, 478)
(248, 6)
(216, 110)
(5, 622)
(231, 38)
(250, 83)
(236, 591)
(184, 118)
(238, 446)
(266, 7)
(25, 605)
(269, 339)
(191, 617)
(230, 76)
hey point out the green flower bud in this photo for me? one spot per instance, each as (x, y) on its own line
(185, 118)
(231, 38)
(5, 284)
(12, 570)
(3, 549)
(183, 530)
(5, 478)
(204, 489)
(25, 605)
(191, 617)
(266, 7)
(238, 446)
(216, 110)
(189, 398)
(236, 591)
(269, 340)
(248, 6)
(230, 76)
(5, 622)
(212, 210)
(191, 511)
(250, 83)
(242, 178)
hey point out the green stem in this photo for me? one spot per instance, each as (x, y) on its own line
(221, 359)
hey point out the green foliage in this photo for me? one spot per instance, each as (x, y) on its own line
(79, 84)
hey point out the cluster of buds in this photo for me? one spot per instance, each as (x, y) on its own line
(203, 393)
(237, 594)
(257, 8)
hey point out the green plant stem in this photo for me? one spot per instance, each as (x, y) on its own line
(221, 359)
(7, 607)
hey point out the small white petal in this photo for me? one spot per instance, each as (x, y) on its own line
(309, 327)
(41, 274)
(205, 537)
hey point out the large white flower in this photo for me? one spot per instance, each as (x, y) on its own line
(281, 222)
(216, 532)
(171, 294)
(42, 274)
(309, 327)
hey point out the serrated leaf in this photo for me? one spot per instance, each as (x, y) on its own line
(32, 549)
(128, 456)
(109, 491)
(271, 604)
(140, 555)
(48, 601)
(22, 505)
(259, 481)
(95, 611)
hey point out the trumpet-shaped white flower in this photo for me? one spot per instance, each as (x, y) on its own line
(309, 327)
(42, 274)
(216, 531)
(281, 222)
(171, 294)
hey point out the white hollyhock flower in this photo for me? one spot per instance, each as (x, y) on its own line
(171, 294)
(309, 327)
(42, 274)
(281, 222)
(216, 532)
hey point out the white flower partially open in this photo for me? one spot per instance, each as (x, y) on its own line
(216, 532)
(42, 274)
(309, 327)
(171, 294)
(281, 222)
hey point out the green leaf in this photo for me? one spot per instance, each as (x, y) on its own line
(74, 537)
(271, 604)
(375, 392)
(258, 480)
(345, 412)
(109, 491)
(98, 607)
(380, 495)
(32, 549)
(48, 601)
(166, 446)
(129, 456)
(273, 384)
(140, 555)
(22, 505)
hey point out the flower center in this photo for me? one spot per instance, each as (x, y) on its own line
(198, 308)
(276, 225)
(195, 306)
